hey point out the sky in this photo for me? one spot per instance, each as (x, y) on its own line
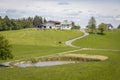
(79, 11)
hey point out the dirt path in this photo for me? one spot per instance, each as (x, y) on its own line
(69, 42)
(82, 49)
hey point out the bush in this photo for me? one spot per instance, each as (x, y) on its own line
(5, 52)
(75, 27)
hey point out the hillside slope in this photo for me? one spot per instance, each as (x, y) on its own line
(108, 41)
(27, 43)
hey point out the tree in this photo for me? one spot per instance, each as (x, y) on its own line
(44, 21)
(0, 23)
(5, 52)
(7, 22)
(118, 26)
(4, 26)
(37, 21)
(29, 21)
(15, 24)
(74, 26)
(92, 24)
(0, 17)
(102, 27)
(26, 23)
(73, 23)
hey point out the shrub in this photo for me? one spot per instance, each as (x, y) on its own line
(5, 52)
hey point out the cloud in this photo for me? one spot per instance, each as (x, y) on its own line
(67, 9)
(74, 14)
(91, 11)
(79, 11)
(2, 11)
(117, 18)
(11, 11)
(63, 3)
(76, 10)
(27, 6)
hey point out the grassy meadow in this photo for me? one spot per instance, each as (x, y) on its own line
(103, 70)
(108, 41)
(29, 43)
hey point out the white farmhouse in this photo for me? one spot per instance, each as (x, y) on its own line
(66, 25)
(52, 24)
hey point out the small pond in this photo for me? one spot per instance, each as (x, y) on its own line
(40, 64)
(55, 60)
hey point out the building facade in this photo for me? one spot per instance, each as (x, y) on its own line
(66, 25)
(52, 25)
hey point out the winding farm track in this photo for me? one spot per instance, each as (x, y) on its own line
(69, 43)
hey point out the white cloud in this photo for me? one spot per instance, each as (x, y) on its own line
(63, 3)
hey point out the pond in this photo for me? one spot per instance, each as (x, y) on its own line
(56, 60)
(40, 64)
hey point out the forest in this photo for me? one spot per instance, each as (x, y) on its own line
(15, 24)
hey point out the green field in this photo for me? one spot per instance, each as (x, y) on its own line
(108, 41)
(104, 70)
(29, 43)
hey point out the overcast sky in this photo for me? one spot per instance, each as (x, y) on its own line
(80, 11)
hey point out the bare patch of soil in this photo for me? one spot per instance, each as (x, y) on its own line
(100, 57)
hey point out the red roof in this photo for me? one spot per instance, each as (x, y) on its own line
(56, 22)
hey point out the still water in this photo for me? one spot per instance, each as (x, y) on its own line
(40, 64)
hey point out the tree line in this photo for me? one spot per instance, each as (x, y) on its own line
(15, 24)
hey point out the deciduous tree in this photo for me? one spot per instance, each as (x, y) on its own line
(102, 27)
